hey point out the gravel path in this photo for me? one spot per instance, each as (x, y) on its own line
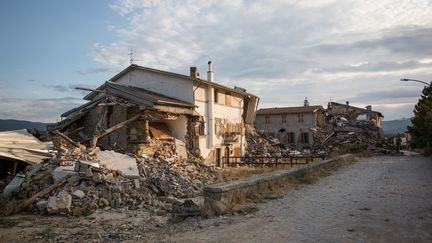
(378, 199)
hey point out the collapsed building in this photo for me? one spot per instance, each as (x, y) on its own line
(291, 125)
(140, 104)
(353, 115)
(319, 131)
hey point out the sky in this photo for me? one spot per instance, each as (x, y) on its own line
(280, 50)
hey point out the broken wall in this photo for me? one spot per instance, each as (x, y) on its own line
(178, 127)
(116, 140)
(281, 128)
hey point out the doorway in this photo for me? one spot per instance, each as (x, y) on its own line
(227, 155)
(218, 157)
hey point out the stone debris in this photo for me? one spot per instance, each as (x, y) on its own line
(187, 209)
(60, 203)
(79, 187)
(261, 145)
(364, 137)
(326, 139)
(175, 177)
(42, 205)
(78, 194)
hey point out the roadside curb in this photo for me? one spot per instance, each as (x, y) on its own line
(221, 198)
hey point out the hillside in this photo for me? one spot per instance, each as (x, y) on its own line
(8, 125)
(395, 126)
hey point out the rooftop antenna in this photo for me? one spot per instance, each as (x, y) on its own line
(132, 59)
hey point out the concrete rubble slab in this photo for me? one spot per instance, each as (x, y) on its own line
(63, 171)
(117, 161)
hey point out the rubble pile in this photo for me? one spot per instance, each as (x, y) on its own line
(166, 173)
(366, 138)
(68, 150)
(64, 189)
(83, 193)
(175, 177)
(261, 145)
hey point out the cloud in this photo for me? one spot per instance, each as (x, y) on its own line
(282, 50)
(379, 67)
(42, 110)
(93, 71)
(71, 88)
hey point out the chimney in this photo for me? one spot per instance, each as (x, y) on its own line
(369, 108)
(347, 103)
(210, 74)
(306, 102)
(194, 72)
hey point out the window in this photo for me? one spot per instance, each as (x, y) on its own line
(300, 118)
(228, 99)
(291, 137)
(284, 118)
(239, 128)
(267, 119)
(229, 127)
(216, 100)
(305, 138)
(201, 128)
(237, 151)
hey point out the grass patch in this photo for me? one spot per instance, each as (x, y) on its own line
(230, 174)
(272, 197)
(352, 148)
(246, 210)
(305, 176)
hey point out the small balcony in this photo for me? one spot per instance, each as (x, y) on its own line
(229, 138)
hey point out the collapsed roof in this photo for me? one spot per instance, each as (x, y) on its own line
(21, 146)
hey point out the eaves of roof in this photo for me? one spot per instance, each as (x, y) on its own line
(133, 66)
(289, 110)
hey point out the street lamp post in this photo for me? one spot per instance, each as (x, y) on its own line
(423, 82)
(413, 80)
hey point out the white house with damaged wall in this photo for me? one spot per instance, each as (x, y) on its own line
(208, 117)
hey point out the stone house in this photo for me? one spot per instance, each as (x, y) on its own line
(291, 125)
(404, 138)
(354, 114)
(140, 104)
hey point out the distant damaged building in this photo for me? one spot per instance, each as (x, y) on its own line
(141, 104)
(291, 125)
(341, 113)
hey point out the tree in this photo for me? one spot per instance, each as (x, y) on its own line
(421, 129)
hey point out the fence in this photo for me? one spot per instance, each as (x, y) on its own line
(268, 161)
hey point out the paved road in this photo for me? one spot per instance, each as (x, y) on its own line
(379, 199)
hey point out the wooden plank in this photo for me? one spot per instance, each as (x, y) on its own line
(105, 132)
(40, 194)
(69, 140)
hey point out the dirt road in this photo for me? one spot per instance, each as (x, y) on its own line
(379, 199)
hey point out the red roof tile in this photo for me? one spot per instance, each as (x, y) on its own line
(284, 110)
